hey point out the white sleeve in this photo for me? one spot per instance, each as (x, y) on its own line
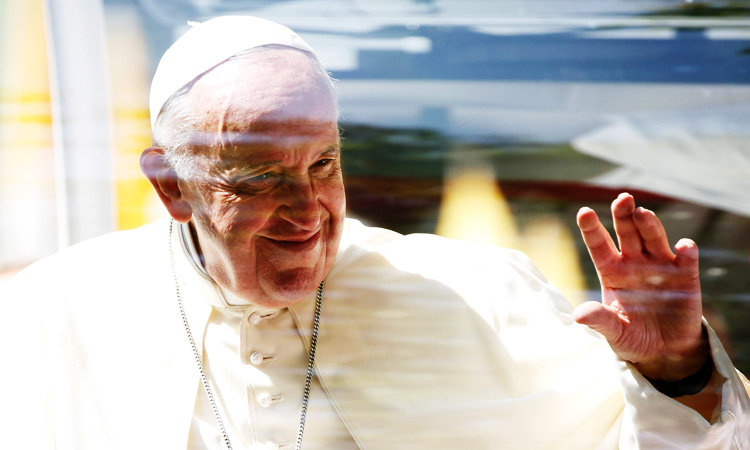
(652, 420)
(655, 421)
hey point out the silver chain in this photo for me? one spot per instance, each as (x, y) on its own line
(310, 365)
(204, 377)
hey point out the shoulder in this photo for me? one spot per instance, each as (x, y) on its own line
(432, 254)
(492, 280)
(109, 260)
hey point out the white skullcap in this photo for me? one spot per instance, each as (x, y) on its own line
(209, 43)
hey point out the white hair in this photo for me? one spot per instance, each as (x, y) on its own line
(177, 122)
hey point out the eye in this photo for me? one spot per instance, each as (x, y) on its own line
(323, 167)
(256, 179)
(261, 177)
(257, 182)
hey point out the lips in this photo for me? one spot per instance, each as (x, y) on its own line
(293, 244)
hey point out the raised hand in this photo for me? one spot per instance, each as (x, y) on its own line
(651, 299)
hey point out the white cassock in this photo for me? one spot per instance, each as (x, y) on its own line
(424, 343)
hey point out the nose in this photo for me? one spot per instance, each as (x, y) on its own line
(300, 204)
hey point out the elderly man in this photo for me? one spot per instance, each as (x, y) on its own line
(259, 317)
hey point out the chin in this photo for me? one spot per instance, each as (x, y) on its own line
(290, 287)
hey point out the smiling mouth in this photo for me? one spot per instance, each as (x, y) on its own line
(295, 244)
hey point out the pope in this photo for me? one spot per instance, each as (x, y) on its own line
(260, 317)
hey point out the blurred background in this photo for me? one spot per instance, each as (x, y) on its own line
(485, 120)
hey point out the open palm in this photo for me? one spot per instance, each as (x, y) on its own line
(651, 300)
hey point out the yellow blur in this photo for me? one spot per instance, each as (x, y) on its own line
(474, 209)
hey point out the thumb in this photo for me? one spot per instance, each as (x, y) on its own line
(600, 318)
(687, 254)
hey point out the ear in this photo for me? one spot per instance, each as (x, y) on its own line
(164, 180)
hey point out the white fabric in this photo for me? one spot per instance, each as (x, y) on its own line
(210, 43)
(229, 341)
(424, 343)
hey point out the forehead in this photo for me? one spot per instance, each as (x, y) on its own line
(299, 145)
(252, 107)
(264, 89)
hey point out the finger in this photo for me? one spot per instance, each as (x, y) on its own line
(600, 318)
(687, 254)
(687, 259)
(597, 239)
(627, 233)
(653, 235)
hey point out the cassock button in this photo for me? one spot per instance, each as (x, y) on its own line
(255, 318)
(258, 358)
(266, 400)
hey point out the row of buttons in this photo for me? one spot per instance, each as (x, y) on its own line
(255, 319)
(256, 359)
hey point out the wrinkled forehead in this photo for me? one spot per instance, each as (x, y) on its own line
(262, 103)
(276, 90)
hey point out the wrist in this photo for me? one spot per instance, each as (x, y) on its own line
(690, 385)
(678, 364)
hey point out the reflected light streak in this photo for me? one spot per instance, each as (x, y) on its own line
(27, 175)
(549, 243)
(474, 209)
(129, 86)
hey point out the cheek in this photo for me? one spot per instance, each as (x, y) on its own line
(231, 220)
(333, 197)
(243, 219)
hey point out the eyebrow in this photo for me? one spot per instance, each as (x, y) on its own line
(331, 151)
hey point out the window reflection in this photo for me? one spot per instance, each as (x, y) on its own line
(536, 107)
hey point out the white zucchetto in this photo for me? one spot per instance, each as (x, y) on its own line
(210, 43)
